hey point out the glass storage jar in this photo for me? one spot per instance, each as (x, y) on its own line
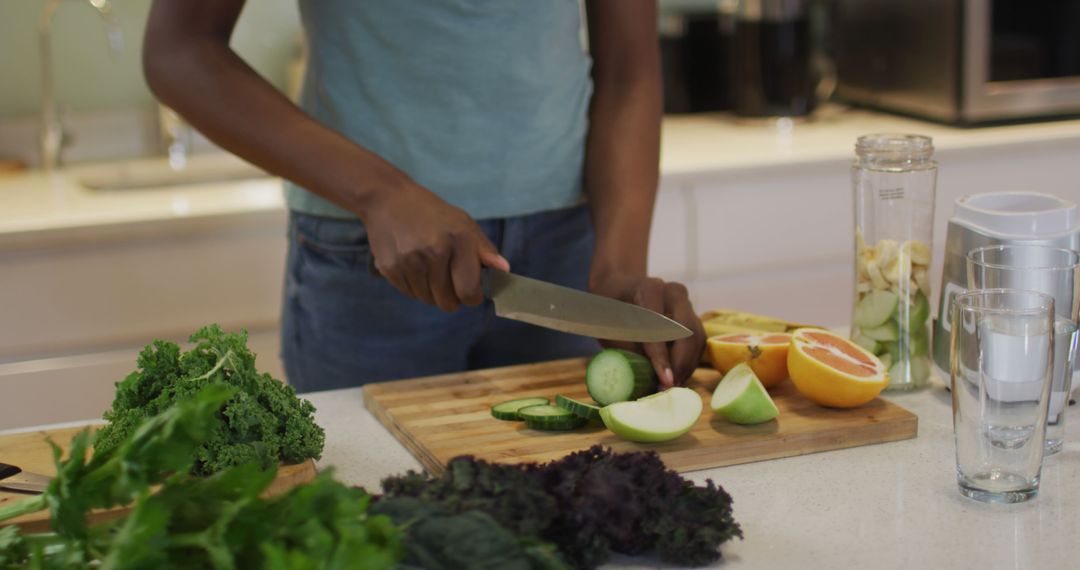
(893, 179)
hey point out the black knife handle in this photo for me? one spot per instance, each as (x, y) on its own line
(8, 470)
(485, 278)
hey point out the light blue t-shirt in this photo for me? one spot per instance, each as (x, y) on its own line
(483, 102)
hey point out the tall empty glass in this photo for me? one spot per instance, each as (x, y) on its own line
(1049, 270)
(1001, 362)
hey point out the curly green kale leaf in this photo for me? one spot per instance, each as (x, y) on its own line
(264, 422)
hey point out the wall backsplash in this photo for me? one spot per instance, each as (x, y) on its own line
(89, 80)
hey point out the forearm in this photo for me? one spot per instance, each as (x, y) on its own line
(621, 176)
(199, 76)
(622, 157)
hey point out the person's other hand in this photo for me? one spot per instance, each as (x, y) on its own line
(675, 361)
(428, 249)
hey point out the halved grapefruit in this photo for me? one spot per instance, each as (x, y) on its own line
(833, 371)
(766, 353)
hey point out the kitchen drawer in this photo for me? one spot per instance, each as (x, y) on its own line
(671, 234)
(77, 298)
(794, 216)
(81, 386)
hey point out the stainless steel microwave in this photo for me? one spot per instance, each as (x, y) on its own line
(959, 61)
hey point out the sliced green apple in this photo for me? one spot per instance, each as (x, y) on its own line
(882, 333)
(875, 308)
(660, 417)
(741, 398)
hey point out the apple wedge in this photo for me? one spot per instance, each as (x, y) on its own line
(660, 417)
(741, 398)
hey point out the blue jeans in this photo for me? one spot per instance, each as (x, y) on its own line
(343, 326)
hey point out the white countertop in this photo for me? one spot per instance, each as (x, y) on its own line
(881, 507)
(35, 202)
(712, 143)
(692, 145)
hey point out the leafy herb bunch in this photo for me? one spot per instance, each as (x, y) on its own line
(264, 422)
(217, 522)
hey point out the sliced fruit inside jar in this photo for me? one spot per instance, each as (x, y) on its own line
(883, 333)
(874, 308)
(913, 371)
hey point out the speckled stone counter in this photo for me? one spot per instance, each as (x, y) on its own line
(881, 507)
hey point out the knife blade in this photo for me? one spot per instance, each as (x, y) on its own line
(13, 478)
(569, 310)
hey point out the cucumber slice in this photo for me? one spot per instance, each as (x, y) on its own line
(545, 413)
(875, 308)
(509, 410)
(886, 359)
(867, 343)
(578, 408)
(616, 375)
(572, 422)
(550, 418)
(884, 333)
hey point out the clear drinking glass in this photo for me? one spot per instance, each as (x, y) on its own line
(1049, 270)
(893, 180)
(1001, 362)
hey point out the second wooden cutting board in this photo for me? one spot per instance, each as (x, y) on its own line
(441, 417)
(31, 452)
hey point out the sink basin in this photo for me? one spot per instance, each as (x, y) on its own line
(152, 173)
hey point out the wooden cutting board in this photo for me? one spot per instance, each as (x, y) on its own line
(441, 417)
(31, 452)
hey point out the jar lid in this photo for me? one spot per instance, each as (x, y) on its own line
(1029, 215)
(894, 147)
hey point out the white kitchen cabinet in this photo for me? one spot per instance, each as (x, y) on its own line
(747, 217)
(672, 233)
(76, 312)
(779, 241)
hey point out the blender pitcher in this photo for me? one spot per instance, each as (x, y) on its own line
(893, 180)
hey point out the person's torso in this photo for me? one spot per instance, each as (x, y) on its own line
(484, 102)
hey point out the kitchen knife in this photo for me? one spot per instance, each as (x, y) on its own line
(13, 478)
(569, 310)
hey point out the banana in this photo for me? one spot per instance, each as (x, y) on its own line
(887, 250)
(922, 279)
(725, 321)
(917, 251)
(876, 278)
(898, 270)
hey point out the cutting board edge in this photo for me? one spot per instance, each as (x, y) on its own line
(386, 419)
(288, 476)
(867, 437)
(896, 429)
(383, 399)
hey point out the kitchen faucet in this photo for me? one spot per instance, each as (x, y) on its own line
(52, 131)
